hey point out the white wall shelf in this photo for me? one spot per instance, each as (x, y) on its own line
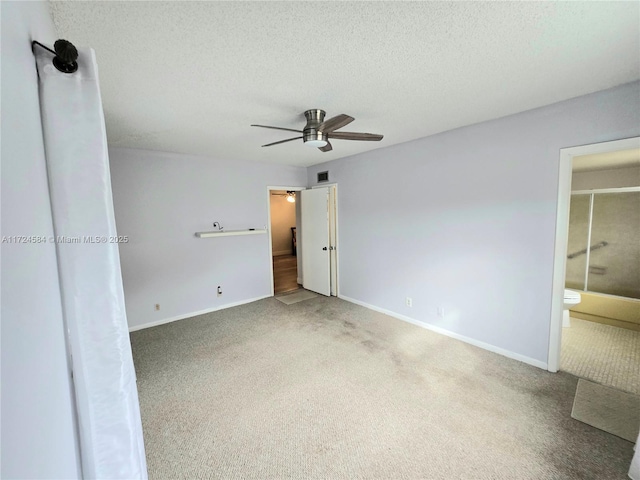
(222, 233)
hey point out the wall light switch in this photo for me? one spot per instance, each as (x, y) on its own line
(409, 302)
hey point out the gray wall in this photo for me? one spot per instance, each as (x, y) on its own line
(161, 200)
(466, 219)
(611, 178)
(38, 433)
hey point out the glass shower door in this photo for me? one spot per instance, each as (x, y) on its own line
(614, 263)
(578, 237)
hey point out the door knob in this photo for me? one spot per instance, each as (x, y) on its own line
(324, 248)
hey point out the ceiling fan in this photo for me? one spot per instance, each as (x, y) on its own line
(318, 131)
(290, 194)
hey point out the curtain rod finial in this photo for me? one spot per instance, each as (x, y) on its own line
(65, 55)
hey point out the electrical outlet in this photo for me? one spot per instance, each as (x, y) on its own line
(409, 302)
(157, 306)
(219, 291)
(441, 312)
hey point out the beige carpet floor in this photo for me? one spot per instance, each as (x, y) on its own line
(329, 390)
(602, 353)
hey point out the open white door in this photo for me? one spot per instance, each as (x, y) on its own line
(315, 240)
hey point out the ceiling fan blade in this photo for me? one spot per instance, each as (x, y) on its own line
(356, 136)
(282, 141)
(335, 123)
(278, 128)
(326, 148)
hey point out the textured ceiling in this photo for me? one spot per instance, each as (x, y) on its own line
(190, 77)
(605, 161)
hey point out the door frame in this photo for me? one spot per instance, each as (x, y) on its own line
(562, 236)
(269, 189)
(337, 250)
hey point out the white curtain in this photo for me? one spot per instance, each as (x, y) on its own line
(110, 429)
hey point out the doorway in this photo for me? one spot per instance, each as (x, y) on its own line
(284, 220)
(597, 260)
(298, 259)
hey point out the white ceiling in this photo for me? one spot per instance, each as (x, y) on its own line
(190, 77)
(606, 161)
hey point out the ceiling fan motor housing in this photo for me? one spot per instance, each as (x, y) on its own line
(314, 118)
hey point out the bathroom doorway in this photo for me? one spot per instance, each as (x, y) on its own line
(597, 270)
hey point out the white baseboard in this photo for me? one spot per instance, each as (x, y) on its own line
(448, 333)
(194, 314)
(299, 281)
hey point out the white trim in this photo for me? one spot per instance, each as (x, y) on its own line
(268, 226)
(559, 260)
(606, 190)
(335, 275)
(195, 314)
(562, 236)
(337, 241)
(323, 185)
(293, 189)
(588, 245)
(448, 333)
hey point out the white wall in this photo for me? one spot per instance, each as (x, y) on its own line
(161, 200)
(466, 219)
(38, 431)
(283, 217)
(612, 178)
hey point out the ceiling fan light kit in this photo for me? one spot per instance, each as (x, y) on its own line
(291, 196)
(311, 135)
(317, 131)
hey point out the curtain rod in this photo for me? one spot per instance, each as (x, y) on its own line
(65, 55)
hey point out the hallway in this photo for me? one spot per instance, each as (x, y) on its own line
(285, 274)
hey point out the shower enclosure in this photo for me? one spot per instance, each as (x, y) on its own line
(603, 254)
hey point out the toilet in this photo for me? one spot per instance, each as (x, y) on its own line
(571, 299)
